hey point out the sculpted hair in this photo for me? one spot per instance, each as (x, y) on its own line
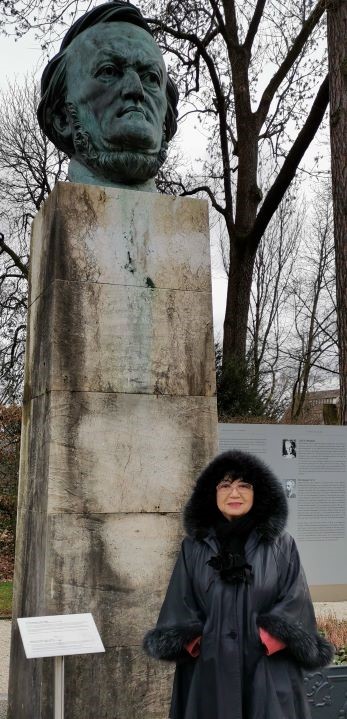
(53, 82)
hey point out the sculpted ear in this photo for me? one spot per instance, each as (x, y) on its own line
(61, 123)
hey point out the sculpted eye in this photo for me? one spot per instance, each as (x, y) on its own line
(107, 71)
(153, 78)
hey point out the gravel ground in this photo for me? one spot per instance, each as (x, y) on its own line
(339, 608)
(5, 633)
(3, 707)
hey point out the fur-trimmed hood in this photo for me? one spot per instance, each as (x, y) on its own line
(270, 509)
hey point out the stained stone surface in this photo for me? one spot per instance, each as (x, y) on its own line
(119, 417)
(114, 565)
(121, 339)
(143, 450)
(118, 238)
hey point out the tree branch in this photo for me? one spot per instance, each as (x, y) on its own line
(15, 342)
(254, 24)
(181, 35)
(202, 188)
(291, 163)
(289, 60)
(222, 112)
(16, 259)
(219, 17)
(231, 23)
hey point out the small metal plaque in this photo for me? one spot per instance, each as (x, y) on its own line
(60, 635)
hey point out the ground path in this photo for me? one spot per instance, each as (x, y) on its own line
(5, 632)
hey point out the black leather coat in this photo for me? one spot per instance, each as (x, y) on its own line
(233, 678)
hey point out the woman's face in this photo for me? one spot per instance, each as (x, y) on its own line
(234, 497)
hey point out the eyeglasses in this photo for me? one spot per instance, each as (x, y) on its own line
(242, 487)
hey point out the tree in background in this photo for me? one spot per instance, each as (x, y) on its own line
(218, 51)
(312, 349)
(10, 424)
(268, 327)
(337, 46)
(292, 336)
(29, 168)
(13, 307)
(258, 388)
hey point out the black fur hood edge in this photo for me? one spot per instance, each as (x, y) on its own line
(270, 509)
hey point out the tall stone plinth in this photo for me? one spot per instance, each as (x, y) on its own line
(119, 417)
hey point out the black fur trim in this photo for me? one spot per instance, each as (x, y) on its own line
(310, 650)
(168, 642)
(270, 507)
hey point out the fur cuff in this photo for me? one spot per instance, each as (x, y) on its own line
(311, 651)
(168, 642)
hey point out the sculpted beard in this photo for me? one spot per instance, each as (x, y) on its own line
(127, 164)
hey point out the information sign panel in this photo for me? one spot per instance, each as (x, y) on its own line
(59, 635)
(311, 462)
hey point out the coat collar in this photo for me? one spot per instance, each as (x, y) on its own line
(253, 540)
(270, 507)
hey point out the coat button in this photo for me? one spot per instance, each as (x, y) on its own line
(233, 634)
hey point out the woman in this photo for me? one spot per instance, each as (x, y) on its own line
(238, 618)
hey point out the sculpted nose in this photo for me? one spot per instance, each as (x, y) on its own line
(132, 86)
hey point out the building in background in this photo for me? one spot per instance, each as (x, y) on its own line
(321, 407)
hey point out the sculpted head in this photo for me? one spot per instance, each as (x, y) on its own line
(107, 101)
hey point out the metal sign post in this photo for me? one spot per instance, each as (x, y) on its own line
(58, 687)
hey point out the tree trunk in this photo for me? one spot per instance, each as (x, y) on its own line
(248, 194)
(337, 48)
(242, 251)
(237, 305)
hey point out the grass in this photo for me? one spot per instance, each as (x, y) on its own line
(5, 600)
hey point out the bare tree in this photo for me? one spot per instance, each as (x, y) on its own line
(29, 168)
(248, 71)
(312, 352)
(47, 18)
(268, 330)
(10, 428)
(337, 41)
(292, 336)
(263, 389)
(218, 51)
(13, 306)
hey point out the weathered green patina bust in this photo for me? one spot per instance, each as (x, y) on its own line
(107, 101)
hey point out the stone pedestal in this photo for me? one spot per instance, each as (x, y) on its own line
(119, 417)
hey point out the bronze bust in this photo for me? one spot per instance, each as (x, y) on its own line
(107, 101)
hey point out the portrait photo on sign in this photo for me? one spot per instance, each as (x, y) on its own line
(289, 448)
(290, 488)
